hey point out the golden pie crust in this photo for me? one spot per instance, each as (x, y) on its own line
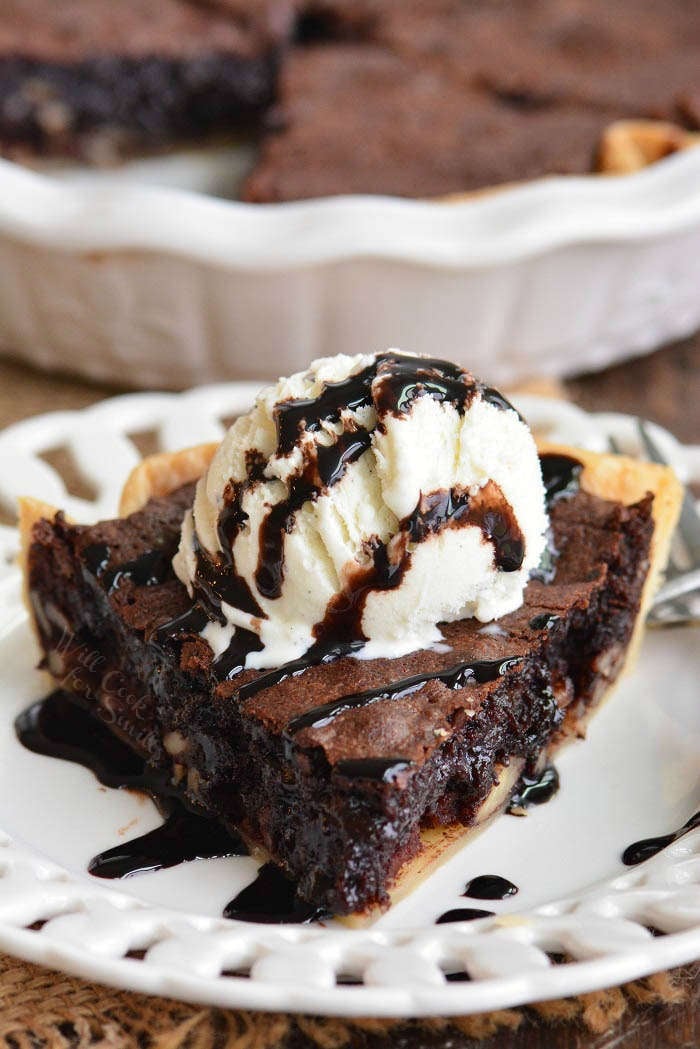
(630, 145)
(617, 478)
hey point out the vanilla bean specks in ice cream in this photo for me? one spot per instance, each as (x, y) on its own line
(363, 502)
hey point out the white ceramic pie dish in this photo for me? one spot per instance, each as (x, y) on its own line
(141, 278)
(575, 896)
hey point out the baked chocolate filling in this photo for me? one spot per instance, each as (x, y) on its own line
(339, 802)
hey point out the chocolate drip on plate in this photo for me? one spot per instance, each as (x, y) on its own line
(454, 677)
(463, 914)
(183, 837)
(60, 726)
(489, 887)
(272, 899)
(643, 850)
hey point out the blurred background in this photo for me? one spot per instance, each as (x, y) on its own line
(205, 190)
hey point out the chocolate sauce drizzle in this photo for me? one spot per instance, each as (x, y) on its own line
(402, 380)
(463, 914)
(561, 475)
(382, 770)
(391, 383)
(149, 569)
(488, 509)
(325, 471)
(489, 887)
(643, 850)
(272, 899)
(192, 621)
(534, 790)
(454, 677)
(60, 726)
(318, 654)
(218, 581)
(544, 621)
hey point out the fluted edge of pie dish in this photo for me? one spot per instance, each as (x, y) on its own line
(154, 286)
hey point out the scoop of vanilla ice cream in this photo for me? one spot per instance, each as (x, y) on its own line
(366, 500)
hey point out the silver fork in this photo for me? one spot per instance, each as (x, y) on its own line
(682, 572)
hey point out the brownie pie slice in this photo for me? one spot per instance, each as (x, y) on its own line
(352, 775)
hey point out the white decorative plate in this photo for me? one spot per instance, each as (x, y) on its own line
(148, 276)
(636, 776)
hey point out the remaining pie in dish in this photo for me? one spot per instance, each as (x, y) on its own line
(407, 97)
(352, 774)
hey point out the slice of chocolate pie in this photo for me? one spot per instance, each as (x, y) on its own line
(377, 610)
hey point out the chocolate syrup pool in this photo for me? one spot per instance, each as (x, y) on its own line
(60, 726)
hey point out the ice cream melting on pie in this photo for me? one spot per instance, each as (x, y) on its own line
(357, 506)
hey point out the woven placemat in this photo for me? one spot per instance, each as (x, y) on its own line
(42, 1008)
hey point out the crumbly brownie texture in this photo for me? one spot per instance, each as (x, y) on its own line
(75, 74)
(339, 801)
(410, 97)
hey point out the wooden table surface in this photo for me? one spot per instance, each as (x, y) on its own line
(39, 1008)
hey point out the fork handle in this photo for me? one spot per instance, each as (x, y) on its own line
(678, 587)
